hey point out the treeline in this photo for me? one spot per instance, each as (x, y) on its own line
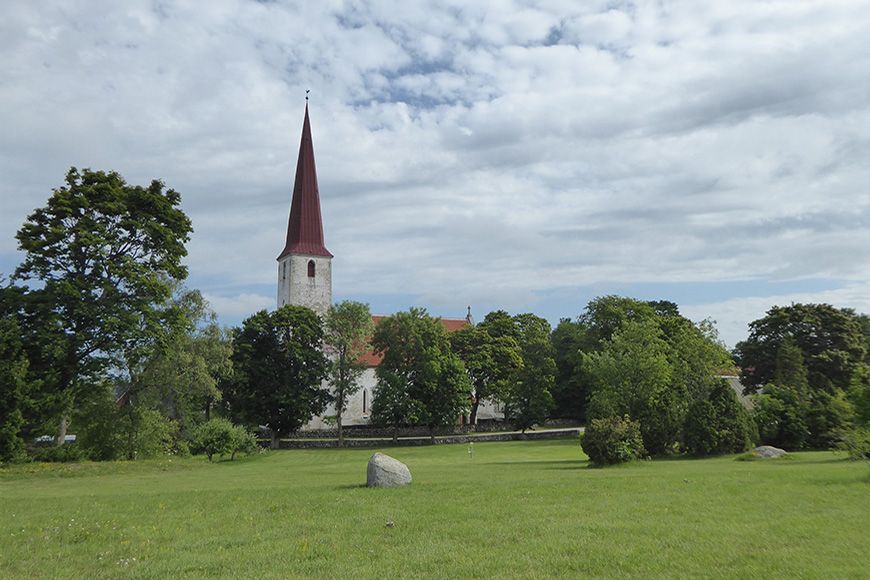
(647, 381)
(99, 338)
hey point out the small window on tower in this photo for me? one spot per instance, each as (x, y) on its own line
(365, 407)
(311, 268)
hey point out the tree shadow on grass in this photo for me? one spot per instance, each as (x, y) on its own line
(562, 464)
(535, 462)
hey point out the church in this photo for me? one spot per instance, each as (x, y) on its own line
(305, 279)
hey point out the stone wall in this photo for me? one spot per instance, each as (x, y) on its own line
(419, 441)
(368, 431)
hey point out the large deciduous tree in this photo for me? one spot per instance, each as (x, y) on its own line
(99, 258)
(348, 332)
(180, 374)
(13, 378)
(491, 357)
(528, 400)
(570, 391)
(632, 376)
(278, 369)
(831, 341)
(693, 351)
(420, 380)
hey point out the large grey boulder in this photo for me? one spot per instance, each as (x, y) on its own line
(769, 452)
(384, 471)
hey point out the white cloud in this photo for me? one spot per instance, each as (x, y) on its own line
(733, 316)
(241, 305)
(499, 148)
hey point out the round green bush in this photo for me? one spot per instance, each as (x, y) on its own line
(612, 440)
(718, 424)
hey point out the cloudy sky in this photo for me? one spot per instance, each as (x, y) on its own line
(504, 154)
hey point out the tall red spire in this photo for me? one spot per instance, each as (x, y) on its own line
(305, 228)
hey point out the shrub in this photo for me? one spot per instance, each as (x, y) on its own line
(780, 415)
(65, 453)
(107, 432)
(612, 440)
(718, 424)
(859, 395)
(11, 445)
(154, 434)
(221, 437)
(214, 437)
(856, 444)
(243, 441)
(98, 424)
(827, 417)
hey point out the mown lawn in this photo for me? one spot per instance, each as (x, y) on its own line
(519, 509)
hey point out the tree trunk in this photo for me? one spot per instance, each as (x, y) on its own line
(275, 441)
(432, 435)
(61, 431)
(475, 403)
(395, 434)
(340, 433)
(131, 434)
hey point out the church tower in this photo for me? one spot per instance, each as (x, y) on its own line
(305, 265)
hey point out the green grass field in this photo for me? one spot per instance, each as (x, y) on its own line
(520, 509)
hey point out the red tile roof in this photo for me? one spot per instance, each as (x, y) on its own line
(305, 227)
(373, 359)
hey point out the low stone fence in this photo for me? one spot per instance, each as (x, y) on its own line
(369, 431)
(439, 439)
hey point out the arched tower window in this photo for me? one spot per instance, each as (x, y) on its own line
(311, 268)
(365, 407)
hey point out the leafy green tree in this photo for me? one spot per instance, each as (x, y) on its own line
(570, 391)
(491, 358)
(831, 341)
(694, 351)
(792, 414)
(859, 394)
(420, 366)
(780, 411)
(348, 331)
(632, 376)
(696, 355)
(606, 315)
(215, 437)
(528, 400)
(828, 417)
(102, 427)
(180, 375)
(278, 368)
(242, 441)
(14, 389)
(718, 424)
(391, 406)
(780, 414)
(101, 256)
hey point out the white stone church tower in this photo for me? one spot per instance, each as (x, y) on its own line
(305, 265)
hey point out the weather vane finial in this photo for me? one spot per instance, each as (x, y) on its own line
(306, 94)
